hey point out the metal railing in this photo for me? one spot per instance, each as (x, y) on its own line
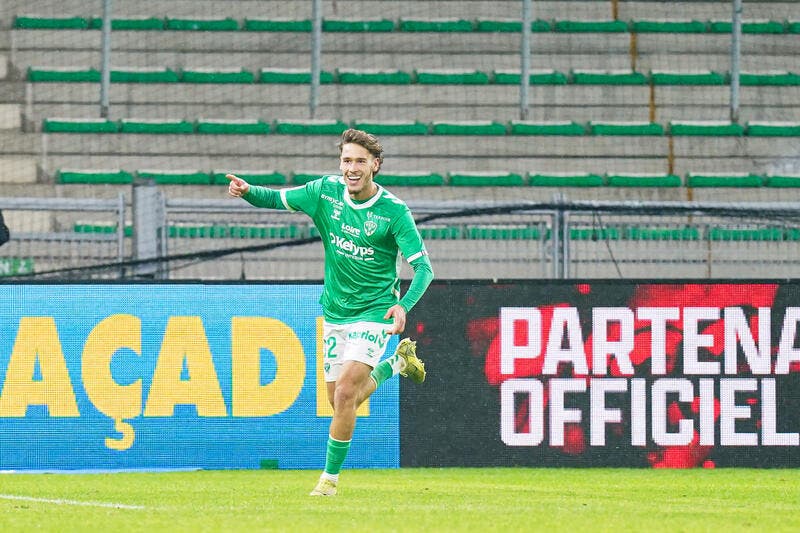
(228, 239)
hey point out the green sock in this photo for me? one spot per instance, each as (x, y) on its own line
(386, 369)
(337, 451)
(381, 373)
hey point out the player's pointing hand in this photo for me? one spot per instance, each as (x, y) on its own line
(237, 187)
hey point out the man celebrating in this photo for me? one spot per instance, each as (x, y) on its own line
(363, 226)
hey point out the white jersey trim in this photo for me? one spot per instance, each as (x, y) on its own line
(283, 200)
(369, 203)
(417, 256)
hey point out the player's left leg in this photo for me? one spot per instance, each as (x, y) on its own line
(353, 351)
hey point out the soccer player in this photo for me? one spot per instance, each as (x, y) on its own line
(363, 226)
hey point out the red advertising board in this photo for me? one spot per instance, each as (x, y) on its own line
(607, 373)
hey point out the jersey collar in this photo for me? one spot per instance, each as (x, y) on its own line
(363, 205)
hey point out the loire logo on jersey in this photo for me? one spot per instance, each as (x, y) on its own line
(350, 247)
(351, 230)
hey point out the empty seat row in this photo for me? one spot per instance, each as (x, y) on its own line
(480, 128)
(427, 179)
(480, 232)
(384, 25)
(418, 76)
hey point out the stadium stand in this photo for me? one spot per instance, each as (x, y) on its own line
(625, 104)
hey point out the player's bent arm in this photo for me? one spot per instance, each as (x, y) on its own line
(423, 275)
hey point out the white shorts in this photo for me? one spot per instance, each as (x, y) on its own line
(359, 341)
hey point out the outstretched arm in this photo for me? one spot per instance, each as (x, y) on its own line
(255, 195)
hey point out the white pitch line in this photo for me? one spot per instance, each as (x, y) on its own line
(69, 502)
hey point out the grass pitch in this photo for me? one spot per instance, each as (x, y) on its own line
(448, 499)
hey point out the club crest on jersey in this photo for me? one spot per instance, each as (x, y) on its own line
(369, 227)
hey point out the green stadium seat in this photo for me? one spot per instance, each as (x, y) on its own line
(732, 179)
(130, 24)
(451, 77)
(186, 231)
(773, 129)
(668, 26)
(590, 26)
(358, 26)
(607, 77)
(33, 22)
(565, 179)
(793, 26)
(596, 234)
(373, 76)
(643, 180)
(204, 75)
(410, 179)
(527, 127)
(198, 24)
(648, 233)
(303, 177)
(625, 128)
(436, 25)
(144, 75)
(278, 25)
(392, 127)
(111, 177)
(160, 126)
(79, 125)
(511, 25)
(705, 128)
(715, 233)
(485, 179)
(83, 227)
(292, 76)
(176, 177)
(310, 127)
(467, 127)
(778, 77)
(535, 77)
(441, 232)
(233, 127)
(253, 177)
(63, 74)
(748, 26)
(291, 231)
(706, 77)
(502, 233)
(784, 181)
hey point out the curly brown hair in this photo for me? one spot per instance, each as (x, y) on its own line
(366, 140)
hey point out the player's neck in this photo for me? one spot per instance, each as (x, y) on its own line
(366, 194)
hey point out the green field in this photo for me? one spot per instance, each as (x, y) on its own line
(489, 499)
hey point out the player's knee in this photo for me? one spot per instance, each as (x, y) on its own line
(346, 395)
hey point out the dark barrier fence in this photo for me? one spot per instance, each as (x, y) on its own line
(607, 373)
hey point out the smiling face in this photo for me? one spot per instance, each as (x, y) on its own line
(358, 167)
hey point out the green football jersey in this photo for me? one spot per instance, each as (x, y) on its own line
(361, 241)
